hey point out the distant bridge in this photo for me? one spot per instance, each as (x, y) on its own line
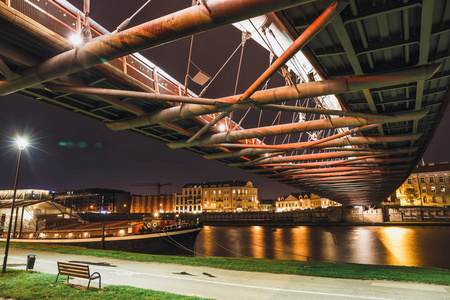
(387, 62)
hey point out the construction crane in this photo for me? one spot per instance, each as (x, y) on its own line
(157, 184)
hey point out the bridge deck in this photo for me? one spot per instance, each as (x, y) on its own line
(398, 45)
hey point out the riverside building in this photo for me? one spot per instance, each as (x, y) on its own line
(218, 196)
(95, 200)
(428, 185)
(296, 201)
(152, 204)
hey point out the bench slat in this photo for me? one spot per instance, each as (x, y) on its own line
(74, 266)
(84, 269)
(81, 275)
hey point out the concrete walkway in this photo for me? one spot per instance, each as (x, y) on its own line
(224, 284)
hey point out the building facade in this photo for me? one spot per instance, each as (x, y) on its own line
(428, 185)
(152, 204)
(219, 196)
(267, 205)
(95, 200)
(6, 197)
(295, 201)
(25, 194)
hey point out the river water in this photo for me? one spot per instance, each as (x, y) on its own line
(421, 246)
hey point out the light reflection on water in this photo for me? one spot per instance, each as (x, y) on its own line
(405, 246)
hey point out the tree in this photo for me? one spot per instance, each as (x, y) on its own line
(411, 195)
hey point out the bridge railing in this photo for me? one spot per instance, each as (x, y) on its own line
(60, 16)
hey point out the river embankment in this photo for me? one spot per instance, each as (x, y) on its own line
(334, 216)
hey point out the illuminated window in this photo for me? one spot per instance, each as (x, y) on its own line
(424, 189)
(442, 189)
(433, 189)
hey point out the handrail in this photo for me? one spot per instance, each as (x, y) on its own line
(65, 15)
(66, 18)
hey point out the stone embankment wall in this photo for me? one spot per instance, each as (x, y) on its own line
(333, 215)
(418, 214)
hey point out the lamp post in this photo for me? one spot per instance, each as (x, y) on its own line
(21, 143)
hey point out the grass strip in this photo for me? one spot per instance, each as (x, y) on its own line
(19, 284)
(320, 269)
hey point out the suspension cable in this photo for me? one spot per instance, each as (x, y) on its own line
(127, 21)
(186, 79)
(245, 37)
(223, 66)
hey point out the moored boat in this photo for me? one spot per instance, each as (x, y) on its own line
(147, 235)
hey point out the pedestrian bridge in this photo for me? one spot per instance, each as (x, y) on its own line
(350, 128)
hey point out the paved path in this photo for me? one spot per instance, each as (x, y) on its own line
(224, 284)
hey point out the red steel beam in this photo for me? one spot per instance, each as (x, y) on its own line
(296, 127)
(317, 156)
(326, 17)
(204, 16)
(287, 93)
(327, 142)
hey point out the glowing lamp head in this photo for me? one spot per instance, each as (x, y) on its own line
(75, 40)
(222, 127)
(22, 143)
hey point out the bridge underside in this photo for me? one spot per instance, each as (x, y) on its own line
(387, 62)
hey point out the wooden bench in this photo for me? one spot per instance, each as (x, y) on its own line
(78, 270)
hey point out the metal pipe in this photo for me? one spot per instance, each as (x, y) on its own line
(131, 94)
(281, 94)
(307, 157)
(320, 111)
(338, 179)
(15, 222)
(8, 237)
(296, 127)
(326, 17)
(370, 160)
(21, 222)
(332, 169)
(208, 126)
(348, 141)
(344, 173)
(6, 71)
(171, 27)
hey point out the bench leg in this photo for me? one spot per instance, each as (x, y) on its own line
(89, 283)
(57, 278)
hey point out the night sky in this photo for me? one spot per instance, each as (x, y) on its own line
(70, 151)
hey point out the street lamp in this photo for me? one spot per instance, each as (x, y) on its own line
(21, 144)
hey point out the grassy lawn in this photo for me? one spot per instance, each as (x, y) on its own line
(32, 285)
(321, 269)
